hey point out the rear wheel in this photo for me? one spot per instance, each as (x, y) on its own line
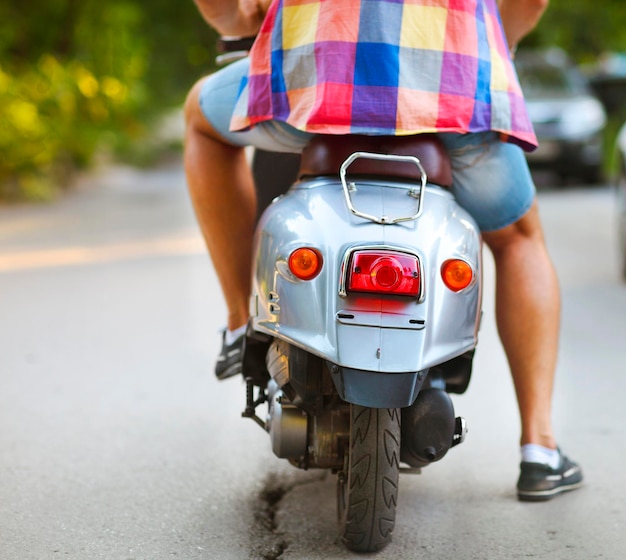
(367, 488)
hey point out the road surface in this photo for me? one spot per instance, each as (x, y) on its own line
(117, 443)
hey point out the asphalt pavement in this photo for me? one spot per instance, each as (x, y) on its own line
(117, 443)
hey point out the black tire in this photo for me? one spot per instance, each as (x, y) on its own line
(367, 489)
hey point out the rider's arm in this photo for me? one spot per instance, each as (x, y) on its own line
(519, 17)
(235, 18)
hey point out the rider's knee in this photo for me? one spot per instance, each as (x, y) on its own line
(527, 229)
(196, 123)
(194, 119)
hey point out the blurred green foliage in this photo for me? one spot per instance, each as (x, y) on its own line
(583, 28)
(79, 76)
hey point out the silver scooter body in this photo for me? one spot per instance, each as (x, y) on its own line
(377, 347)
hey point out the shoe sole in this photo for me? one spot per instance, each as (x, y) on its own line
(545, 495)
(231, 371)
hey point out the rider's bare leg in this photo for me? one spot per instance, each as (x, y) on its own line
(528, 316)
(223, 195)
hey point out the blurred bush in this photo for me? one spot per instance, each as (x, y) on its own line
(582, 28)
(78, 77)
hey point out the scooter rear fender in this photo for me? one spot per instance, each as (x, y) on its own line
(359, 332)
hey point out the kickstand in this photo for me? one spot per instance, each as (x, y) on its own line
(251, 403)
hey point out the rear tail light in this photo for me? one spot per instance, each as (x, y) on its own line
(456, 274)
(384, 272)
(305, 263)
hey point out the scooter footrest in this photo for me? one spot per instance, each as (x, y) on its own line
(460, 431)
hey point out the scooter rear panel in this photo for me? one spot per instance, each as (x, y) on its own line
(390, 334)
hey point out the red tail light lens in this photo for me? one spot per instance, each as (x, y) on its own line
(456, 274)
(384, 272)
(305, 263)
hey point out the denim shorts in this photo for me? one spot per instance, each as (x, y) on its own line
(491, 179)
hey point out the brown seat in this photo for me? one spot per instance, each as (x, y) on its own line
(325, 154)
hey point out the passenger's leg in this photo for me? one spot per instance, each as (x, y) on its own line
(221, 184)
(224, 199)
(493, 183)
(527, 315)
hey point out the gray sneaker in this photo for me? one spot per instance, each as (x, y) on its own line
(539, 482)
(229, 362)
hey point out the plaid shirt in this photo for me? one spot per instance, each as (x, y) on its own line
(388, 67)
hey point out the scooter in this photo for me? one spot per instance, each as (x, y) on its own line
(364, 316)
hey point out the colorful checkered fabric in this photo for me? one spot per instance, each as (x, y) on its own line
(393, 67)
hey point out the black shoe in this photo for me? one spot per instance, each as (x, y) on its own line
(229, 362)
(539, 482)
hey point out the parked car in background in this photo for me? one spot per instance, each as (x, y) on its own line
(568, 118)
(607, 77)
(621, 197)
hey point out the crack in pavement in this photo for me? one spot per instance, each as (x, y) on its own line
(268, 542)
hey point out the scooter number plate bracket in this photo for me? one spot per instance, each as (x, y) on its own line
(349, 188)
